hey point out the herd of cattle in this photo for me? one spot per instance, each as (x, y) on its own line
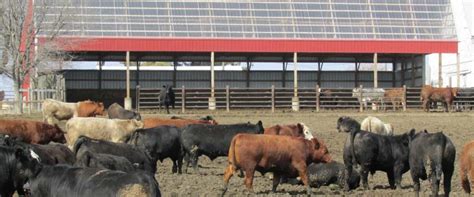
(117, 156)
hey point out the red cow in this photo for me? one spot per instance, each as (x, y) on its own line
(283, 155)
(466, 166)
(32, 132)
(180, 123)
(430, 94)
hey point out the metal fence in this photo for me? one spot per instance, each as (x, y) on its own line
(281, 98)
(32, 100)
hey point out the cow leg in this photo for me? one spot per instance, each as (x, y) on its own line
(228, 173)
(194, 158)
(180, 164)
(303, 172)
(175, 166)
(435, 178)
(276, 181)
(391, 179)
(186, 162)
(447, 174)
(398, 175)
(249, 179)
(348, 174)
(416, 184)
(167, 108)
(364, 173)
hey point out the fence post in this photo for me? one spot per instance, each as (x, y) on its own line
(273, 98)
(318, 94)
(183, 99)
(30, 96)
(137, 98)
(361, 103)
(227, 98)
(404, 102)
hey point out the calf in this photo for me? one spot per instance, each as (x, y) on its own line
(374, 152)
(160, 143)
(133, 154)
(466, 166)
(115, 111)
(85, 182)
(180, 123)
(49, 154)
(375, 125)
(16, 165)
(114, 130)
(212, 140)
(32, 132)
(325, 174)
(104, 161)
(396, 96)
(436, 152)
(295, 130)
(283, 155)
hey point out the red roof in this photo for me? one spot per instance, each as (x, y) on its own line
(145, 44)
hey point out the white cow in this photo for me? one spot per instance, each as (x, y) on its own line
(373, 124)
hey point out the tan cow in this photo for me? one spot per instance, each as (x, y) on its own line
(114, 130)
(53, 109)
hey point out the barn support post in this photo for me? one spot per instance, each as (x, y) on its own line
(320, 70)
(273, 98)
(357, 66)
(137, 97)
(295, 101)
(247, 74)
(128, 100)
(175, 65)
(137, 74)
(404, 102)
(394, 74)
(318, 94)
(212, 99)
(183, 99)
(402, 75)
(458, 71)
(413, 71)
(227, 98)
(440, 70)
(283, 74)
(375, 68)
(361, 104)
(101, 64)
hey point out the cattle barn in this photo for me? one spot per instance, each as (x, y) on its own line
(203, 47)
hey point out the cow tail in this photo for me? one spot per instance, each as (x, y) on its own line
(439, 160)
(232, 158)
(464, 179)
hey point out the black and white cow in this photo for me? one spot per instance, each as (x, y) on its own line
(104, 161)
(133, 154)
(434, 152)
(212, 140)
(62, 180)
(160, 143)
(374, 152)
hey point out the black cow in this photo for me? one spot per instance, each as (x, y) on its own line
(160, 143)
(16, 165)
(133, 154)
(166, 97)
(436, 152)
(212, 140)
(325, 174)
(61, 180)
(115, 111)
(105, 161)
(49, 154)
(374, 152)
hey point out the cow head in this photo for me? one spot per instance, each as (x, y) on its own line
(305, 130)
(137, 123)
(454, 92)
(347, 124)
(137, 116)
(27, 166)
(320, 152)
(99, 109)
(57, 135)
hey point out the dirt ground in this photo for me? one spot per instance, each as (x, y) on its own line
(457, 126)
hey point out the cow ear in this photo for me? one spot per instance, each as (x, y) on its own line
(300, 126)
(20, 153)
(412, 132)
(425, 131)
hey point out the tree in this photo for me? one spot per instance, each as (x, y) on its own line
(22, 24)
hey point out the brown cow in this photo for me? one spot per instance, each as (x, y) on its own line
(396, 96)
(295, 130)
(466, 167)
(429, 94)
(283, 155)
(53, 109)
(180, 123)
(32, 132)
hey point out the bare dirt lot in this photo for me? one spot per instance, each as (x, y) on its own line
(457, 126)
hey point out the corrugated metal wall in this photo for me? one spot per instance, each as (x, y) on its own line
(112, 79)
